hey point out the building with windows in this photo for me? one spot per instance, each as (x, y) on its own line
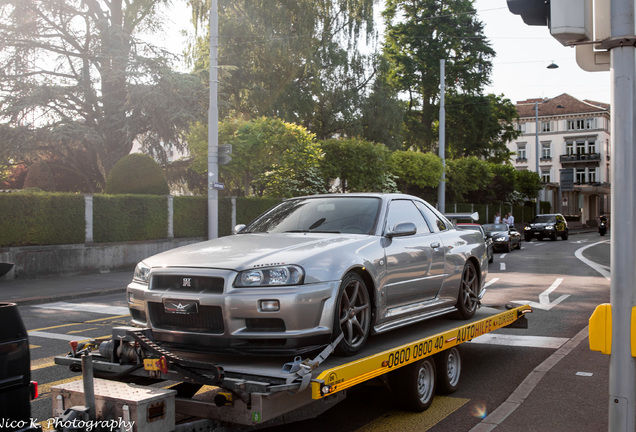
(572, 141)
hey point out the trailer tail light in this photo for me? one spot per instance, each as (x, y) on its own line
(34, 390)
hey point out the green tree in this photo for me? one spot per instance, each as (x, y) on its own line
(465, 177)
(416, 171)
(420, 33)
(269, 157)
(480, 126)
(298, 60)
(528, 184)
(356, 165)
(78, 83)
(502, 184)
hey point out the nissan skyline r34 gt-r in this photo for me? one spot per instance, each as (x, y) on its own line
(308, 270)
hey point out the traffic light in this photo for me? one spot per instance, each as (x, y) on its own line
(533, 12)
(570, 21)
(225, 151)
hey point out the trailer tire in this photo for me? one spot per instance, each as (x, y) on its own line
(449, 369)
(353, 315)
(414, 385)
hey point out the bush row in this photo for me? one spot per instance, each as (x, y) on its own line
(28, 219)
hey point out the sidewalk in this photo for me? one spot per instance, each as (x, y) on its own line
(36, 291)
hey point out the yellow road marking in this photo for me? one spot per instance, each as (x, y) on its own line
(82, 330)
(81, 323)
(396, 420)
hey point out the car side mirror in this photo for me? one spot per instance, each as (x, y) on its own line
(402, 229)
(238, 228)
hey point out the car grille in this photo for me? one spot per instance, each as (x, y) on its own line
(209, 319)
(184, 283)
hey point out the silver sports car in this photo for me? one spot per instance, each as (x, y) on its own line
(308, 270)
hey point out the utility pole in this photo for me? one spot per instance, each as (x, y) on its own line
(536, 151)
(622, 379)
(441, 191)
(213, 126)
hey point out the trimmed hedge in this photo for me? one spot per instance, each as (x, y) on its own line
(190, 217)
(34, 218)
(118, 218)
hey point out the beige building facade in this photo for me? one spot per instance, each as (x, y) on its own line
(573, 153)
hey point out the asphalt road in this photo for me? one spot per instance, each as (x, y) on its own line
(562, 288)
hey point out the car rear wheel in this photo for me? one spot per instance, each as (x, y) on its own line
(565, 235)
(468, 300)
(353, 315)
(528, 238)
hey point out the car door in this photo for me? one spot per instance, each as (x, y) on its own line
(415, 263)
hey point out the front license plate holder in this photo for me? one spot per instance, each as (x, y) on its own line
(181, 307)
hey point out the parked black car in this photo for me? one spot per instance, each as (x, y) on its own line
(16, 388)
(546, 225)
(487, 240)
(503, 237)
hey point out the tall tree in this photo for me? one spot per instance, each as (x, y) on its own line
(298, 60)
(420, 33)
(480, 126)
(77, 82)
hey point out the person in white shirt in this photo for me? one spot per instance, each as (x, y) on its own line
(511, 220)
(497, 218)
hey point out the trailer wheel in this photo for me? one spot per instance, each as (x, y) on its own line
(414, 385)
(449, 369)
(353, 315)
(467, 299)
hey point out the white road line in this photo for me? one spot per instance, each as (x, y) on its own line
(490, 282)
(521, 341)
(503, 255)
(599, 268)
(58, 336)
(544, 298)
(502, 266)
(86, 307)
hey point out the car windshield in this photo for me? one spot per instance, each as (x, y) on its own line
(544, 219)
(495, 227)
(469, 227)
(354, 215)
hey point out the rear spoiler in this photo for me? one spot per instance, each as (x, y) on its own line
(454, 217)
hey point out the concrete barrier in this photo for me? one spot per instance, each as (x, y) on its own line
(32, 262)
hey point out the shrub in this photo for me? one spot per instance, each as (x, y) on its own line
(137, 174)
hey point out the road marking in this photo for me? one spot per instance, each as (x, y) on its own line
(599, 268)
(503, 255)
(490, 282)
(502, 266)
(442, 407)
(521, 340)
(86, 307)
(58, 336)
(544, 297)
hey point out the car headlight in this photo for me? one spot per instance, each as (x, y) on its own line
(500, 239)
(142, 273)
(272, 276)
(549, 227)
(527, 228)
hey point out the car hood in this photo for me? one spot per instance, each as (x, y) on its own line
(541, 224)
(244, 251)
(496, 233)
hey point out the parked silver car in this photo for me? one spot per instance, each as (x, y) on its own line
(308, 270)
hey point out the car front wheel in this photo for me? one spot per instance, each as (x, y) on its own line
(353, 315)
(468, 299)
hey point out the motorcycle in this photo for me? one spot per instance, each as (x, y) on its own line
(602, 228)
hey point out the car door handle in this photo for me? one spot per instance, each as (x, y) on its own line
(435, 245)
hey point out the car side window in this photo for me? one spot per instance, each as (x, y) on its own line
(405, 211)
(435, 221)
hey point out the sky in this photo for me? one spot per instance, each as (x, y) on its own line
(519, 68)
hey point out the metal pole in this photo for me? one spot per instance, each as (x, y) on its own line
(213, 126)
(536, 148)
(622, 379)
(441, 191)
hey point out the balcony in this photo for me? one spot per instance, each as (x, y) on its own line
(574, 158)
